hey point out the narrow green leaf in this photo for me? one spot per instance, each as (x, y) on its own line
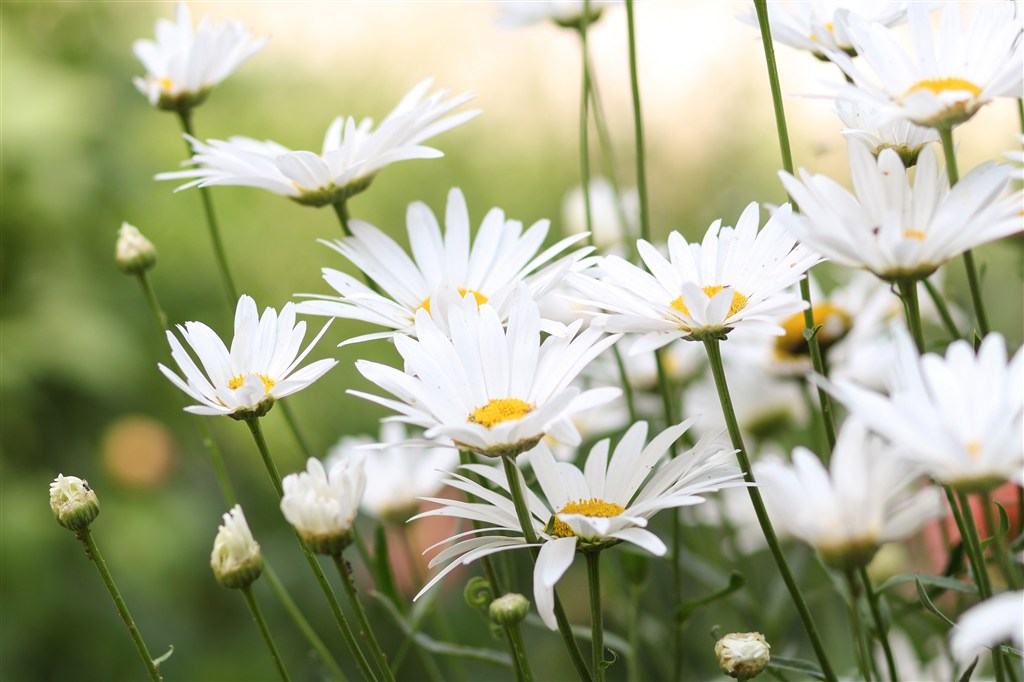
(922, 594)
(161, 659)
(381, 567)
(969, 671)
(611, 640)
(796, 665)
(941, 582)
(736, 582)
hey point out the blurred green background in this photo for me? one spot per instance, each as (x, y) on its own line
(80, 391)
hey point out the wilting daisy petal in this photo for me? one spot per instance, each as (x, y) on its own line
(820, 25)
(987, 624)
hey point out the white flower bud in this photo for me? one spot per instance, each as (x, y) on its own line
(236, 560)
(134, 253)
(509, 609)
(73, 502)
(743, 655)
(322, 505)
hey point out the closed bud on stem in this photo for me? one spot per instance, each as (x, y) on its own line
(509, 609)
(321, 505)
(236, 559)
(134, 253)
(73, 502)
(743, 655)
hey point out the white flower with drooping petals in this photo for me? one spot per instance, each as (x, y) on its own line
(902, 136)
(321, 503)
(565, 13)
(236, 559)
(865, 499)
(947, 77)
(959, 416)
(260, 367)
(182, 65)
(737, 277)
(608, 501)
(443, 268)
(986, 625)
(820, 25)
(898, 228)
(491, 390)
(353, 153)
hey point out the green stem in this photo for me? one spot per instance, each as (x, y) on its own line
(605, 140)
(638, 128)
(880, 626)
(341, 210)
(940, 305)
(1001, 551)
(257, 616)
(818, 363)
(859, 636)
(346, 632)
(633, 662)
(596, 615)
(718, 371)
(515, 639)
(492, 576)
(159, 316)
(908, 292)
(946, 135)
(627, 385)
(293, 425)
(367, 633)
(185, 116)
(515, 489)
(93, 552)
(585, 122)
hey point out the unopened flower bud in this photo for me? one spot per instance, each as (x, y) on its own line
(742, 655)
(134, 253)
(509, 609)
(236, 560)
(73, 502)
(322, 505)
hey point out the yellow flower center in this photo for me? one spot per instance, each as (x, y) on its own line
(914, 234)
(973, 449)
(834, 321)
(592, 507)
(940, 85)
(739, 301)
(165, 83)
(268, 383)
(828, 26)
(500, 410)
(480, 298)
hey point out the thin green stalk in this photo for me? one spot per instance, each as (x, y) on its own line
(339, 616)
(492, 576)
(1001, 551)
(876, 613)
(154, 305)
(341, 209)
(940, 305)
(515, 489)
(718, 371)
(1020, 113)
(585, 122)
(908, 292)
(946, 135)
(859, 635)
(633, 627)
(414, 558)
(257, 616)
(93, 552)
(605, 141)
(367, 633)
(293, 426)
(522, 662)
(638, 128)
(185, 116)
(596, 615)
(627, 385)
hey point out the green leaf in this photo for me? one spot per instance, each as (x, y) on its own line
(382, 574)
(812, 332)
(1007, 649)
(736, 582)
(609, 662)
(161, 659)
(941, 582)
(927, 602)
(969, 671)
(796, 665)
(611, 640)
(478, 592)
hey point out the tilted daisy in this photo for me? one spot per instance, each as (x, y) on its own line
(898, 228)
(607, 502)
(565, 13)
(260, 367)
(865, 499)
(948, 76)
(959, 416)
(444, 267)
(183, 65)
(820, 25)
(492, 390)
(321, 502)
(902, 136)
(736, 277)
(988, 624)
(353, 153)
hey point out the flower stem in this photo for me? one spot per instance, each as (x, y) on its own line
(515, 489)
(596, 615)
(876, 613)
(585, 122)
(605, 140)
(345, 570)
(638, 128)
(346, 632)
(492, 576)
(257, 616)
(185, 116)
(159, 316)
(908, 292)
(1010, 574)
(940, 305)
(946, 135)
(859, 636)
(93, 552)
(515, 640)
(341, 209)
(293, 426)
(717, 369)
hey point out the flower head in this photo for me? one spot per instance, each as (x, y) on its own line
(182, 65)
(743, 655)
(565, 13)
(73, 503)
(987, 624)
(901, 136)
(236, 559)
(260, 367)
(353, 153)
(133, 253)
(819, 26)
(322, 504)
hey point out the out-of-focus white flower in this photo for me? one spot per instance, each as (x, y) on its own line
(182, 65)
(443, 268)
(898, 228)
(985, 625)
(864, 500)
(353, 153)
(613, 219)
(1017, 158)
(947, 76)
(73, 503)
(566, 13)
(133, 253)
(260, 367)
(397, 475)
(235, 560)
(743, 655)
(321, 504)
(492, 390)
(820, 25)
(900, 135)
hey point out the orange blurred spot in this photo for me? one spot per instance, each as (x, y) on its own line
(138, 452)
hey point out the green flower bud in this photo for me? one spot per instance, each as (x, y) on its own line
(509, 609)
(73, 502)
(134, 253)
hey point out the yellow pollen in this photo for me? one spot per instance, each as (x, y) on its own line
(593, 507)
(500, 410)
(739, 301)
(940, 85)
(914, 234)
(268, 383)
(835, 323)
(165, 83)
(973, 448)
(480, 298)
(828, 26)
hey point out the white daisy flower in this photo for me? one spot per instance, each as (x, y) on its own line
(947, 77)
(898, 228)
(565, 13)
(491, 390)
(959, 416)
(235, 559)
(396, 475)
(353, 153)
(321, 503)
(866, 499)
(902, 136)
(443, 268)
(987, 624)
(609, 501)
(183, 65)
(260, 367)
(736, 277)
